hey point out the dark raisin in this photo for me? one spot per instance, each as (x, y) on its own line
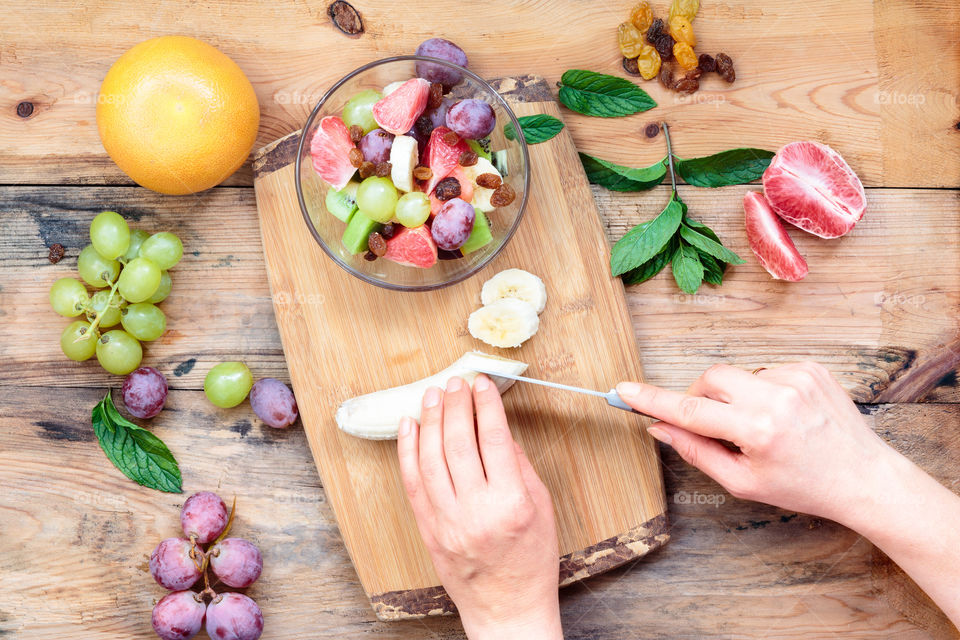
(666, 76)
(503, 196)
(651, 130)
(664, 46)
(447, 189)
(369, 256)
(424, 125)
(630, 66)
(489, 180)
(725, 67)
(689, 83)
(356, 158)
(468, 159)
(443, 254)
(56, 253)
(388, 231)
(367, 169)
(435, 97)
(421, 172)
(450, 138)
(656, 28)
(706, 63)
(376, 244)
(356, 133)
(383, 169)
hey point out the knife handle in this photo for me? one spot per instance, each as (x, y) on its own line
(614, 400)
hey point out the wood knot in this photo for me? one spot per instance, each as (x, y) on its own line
(25, 109)
(345, 17)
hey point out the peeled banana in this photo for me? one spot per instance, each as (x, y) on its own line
(403, 158)
(376, 416)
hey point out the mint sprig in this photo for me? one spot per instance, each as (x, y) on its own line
(536, 128)
(136, 452)
(602, 95)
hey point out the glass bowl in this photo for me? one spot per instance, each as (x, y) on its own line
(327, 229)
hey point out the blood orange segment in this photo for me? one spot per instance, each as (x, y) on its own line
(769, 240)
(330, 150)
(398, 111)
(412, 247)
(441, 157)
(809, 185)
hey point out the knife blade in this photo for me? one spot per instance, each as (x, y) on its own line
(612, 397)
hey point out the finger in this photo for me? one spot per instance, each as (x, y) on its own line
(433, 464)
(459, 438)
(728, 384)
(697, 414)
(496, 444)
(705, 454)
(408, 450)
(535, 487)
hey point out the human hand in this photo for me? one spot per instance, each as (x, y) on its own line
(803, 444)
(484, 515)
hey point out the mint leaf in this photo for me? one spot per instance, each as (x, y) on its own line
(649, 268)
(645, 240)
(137, 453)
(699, 227)
(712, 269)
(687, 268)
(598, 94)
(536, 128)
(708, 246)
(616, 177)
(735, 166)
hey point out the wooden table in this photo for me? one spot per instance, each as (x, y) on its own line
(880, 308)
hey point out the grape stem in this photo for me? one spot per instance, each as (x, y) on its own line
(96, 320)
(673, 175)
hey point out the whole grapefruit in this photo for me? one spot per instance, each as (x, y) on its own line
(177, 115)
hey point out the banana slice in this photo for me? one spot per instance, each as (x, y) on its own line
(403, 158)
(504, 323)
(393, 86)
(376, 416)
(481, 195)
(515, 283)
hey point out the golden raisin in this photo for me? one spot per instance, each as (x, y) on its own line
(356, 158)
(648, 62)
(685, 55)
(686, 8)
(503, 196)
(356, 133)
(725, 67)
(376, 244)
(682, 30)
(642, 16)
(468, 158)
(435, 96)
(450, 138)
(630, 39)
(367, 169)
(383, 169)
(421, 172)
(489, 180)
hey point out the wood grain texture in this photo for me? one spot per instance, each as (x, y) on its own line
(603, 474)
(878, 82)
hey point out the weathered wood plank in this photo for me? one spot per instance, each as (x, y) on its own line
(78, 535)
(874, 80)
(878, 308)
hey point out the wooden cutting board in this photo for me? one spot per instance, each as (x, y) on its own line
(343, 338)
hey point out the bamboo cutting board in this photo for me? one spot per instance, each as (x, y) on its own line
(342, 338)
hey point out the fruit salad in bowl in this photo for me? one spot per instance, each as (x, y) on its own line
(404, 174)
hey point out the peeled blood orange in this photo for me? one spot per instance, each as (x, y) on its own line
(397, 111)
(330, 151)
(809, 185)
(412, 247)
(769, 240)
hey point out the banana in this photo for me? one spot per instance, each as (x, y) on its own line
(390, 88)
(403, 158)
(507, 322)
(515, 283)
(481, 195)
(376, 416)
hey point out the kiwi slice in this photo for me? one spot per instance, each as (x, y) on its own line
(481, 147)
(480, 236)
(358, 231)
(343, 203)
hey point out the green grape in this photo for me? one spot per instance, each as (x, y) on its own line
(163, 249)
(144, 321)
(118, 352)
(413, 209)
(137, 236)
(98, 304)
(227, 384)
(110, 234)
(93, 267)
(166, 284)
(68, 297)
(377, 198)
(139, 280)
(359, 110)
(78, 349)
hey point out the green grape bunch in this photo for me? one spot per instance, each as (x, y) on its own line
(128, 270)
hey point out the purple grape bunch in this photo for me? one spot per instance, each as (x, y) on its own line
(179, 564)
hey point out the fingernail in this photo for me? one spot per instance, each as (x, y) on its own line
(405, 426)
(454, 384)
(432, 397)
(482, 383)
(660, 435)
(628, 389)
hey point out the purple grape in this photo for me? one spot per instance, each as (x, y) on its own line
(471, 118)
(273, 402)
(171, 564)
(144, 392)
(234, 616)
(178, 615)
(236, 562)
(433, 118)
(453, 224)
(376, 146)
(204, 515)
(445, 50)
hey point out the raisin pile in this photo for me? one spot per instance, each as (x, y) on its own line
(652, 48)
